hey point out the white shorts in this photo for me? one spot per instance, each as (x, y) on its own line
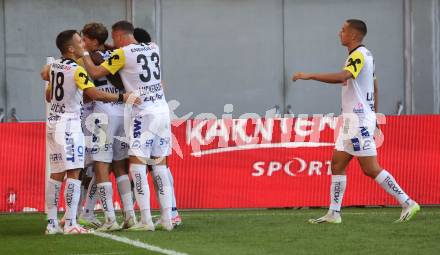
(66, 151)
(359, 143)
(150, 135)
(108, 138)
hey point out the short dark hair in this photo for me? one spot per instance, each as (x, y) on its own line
(358, 25)
(95, 31)
(64, 39)
(141, 35)
(123, 25)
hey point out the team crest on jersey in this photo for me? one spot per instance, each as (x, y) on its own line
(359, 108)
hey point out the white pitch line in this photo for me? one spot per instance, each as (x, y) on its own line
(138, 244)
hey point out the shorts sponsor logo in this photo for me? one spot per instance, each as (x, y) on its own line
(356, 144)
(364, 132)
(137, 129)
(55, 157)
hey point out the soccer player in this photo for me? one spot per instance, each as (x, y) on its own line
(359, 103)
(150, 127)
(142, 36)
(109, 124)
(64, 135)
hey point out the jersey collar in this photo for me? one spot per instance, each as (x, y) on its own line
(353, 50)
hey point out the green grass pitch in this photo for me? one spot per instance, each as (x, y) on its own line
(236, 232)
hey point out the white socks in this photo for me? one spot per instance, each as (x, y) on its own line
(124, 188)
(91, 198)
(105, 191)
(174, 212)
(388, 183)
(52, 198)
(142, 191)
(337, 189)
(164, 190)
(71, 197)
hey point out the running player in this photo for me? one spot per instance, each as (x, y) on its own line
(359, 103)
(64, 135)
(109, 122)
(142, 36)
(150, 127)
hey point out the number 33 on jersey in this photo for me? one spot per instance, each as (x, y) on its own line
(139, 68)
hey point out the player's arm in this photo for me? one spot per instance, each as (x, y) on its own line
(355, 63)
(84, 83)
(44, 73)
(333, 78)
(376, 96)
(110, 66)
(115, 79)
(49, 93)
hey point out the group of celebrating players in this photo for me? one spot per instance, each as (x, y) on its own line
(107, 112)
(126, 121)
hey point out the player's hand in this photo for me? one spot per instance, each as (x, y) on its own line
(131, 98)
(300, 76)
(44, 73)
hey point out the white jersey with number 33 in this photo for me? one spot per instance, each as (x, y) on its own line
(139, 68)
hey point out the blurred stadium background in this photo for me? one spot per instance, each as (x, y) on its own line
(240, 52)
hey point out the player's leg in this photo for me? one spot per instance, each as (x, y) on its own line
(161, 149)
(138, 171)
(52, 197)
(124, 187)
(175, 217)
(139, 151)
(340, 161)
(102, 160)
(371, 168)
(88, 217)
(71, 198)
(105, 191)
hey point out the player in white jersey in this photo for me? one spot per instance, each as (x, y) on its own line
(108, 121)
(64, 135)
(149, 123)
(359, 103)
(142, 36)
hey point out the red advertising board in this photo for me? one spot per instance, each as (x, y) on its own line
(250, 163)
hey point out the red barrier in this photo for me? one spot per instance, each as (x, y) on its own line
(286, 165)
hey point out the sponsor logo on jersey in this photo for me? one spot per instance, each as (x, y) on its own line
(359, 108)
